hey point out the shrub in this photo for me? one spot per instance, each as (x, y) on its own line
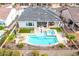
(77, 53)
(58, 29)
(71, 37)
(52, 47)
(21, 45)
(61, 46)
(26, 30)
(2, 52)
(35, 53)
(1, 27)
(15, 53)
(5, 52)
(2, 40)
(44, 54)
(11, 37)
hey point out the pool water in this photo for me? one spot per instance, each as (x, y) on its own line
(50, 32)
(43, 39)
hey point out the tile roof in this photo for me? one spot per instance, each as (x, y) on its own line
(38, 14)
(74, 14)
(4, 12)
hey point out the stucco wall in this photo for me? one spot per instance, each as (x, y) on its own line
(23, 24)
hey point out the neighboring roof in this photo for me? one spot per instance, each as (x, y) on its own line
(38, 14)
(74, 12)
(4, 12)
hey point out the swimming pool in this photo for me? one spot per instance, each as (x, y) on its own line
(43, 39)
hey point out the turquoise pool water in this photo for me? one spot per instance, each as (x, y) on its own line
(43, 38)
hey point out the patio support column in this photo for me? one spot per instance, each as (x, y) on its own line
(46, 4)
(58, 23)
(29, 4)
(35, 23)
(35, 26)
(47, 23)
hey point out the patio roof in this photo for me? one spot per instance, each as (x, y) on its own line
(38, 14)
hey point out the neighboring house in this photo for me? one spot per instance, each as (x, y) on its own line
(37, 17)
(73, 4)
(48, 5)
(7, 19)
(71, 17)
(24, 5)
(4, 5)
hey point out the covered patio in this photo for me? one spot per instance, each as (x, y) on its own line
(48, 24)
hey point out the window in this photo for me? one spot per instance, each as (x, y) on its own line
(38, 4)
(51, 23)
(26, 24)
(21, 4)
(77, 3)
(49, 4)
(44, 4)
(29, 23)
(26, 4)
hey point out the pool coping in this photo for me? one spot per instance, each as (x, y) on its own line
(43, 45)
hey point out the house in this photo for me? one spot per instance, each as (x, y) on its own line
(7, 19)
(33, 17)
(4, 5)
(25, 5)
(71, 17)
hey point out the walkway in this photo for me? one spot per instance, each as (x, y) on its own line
(51, 52)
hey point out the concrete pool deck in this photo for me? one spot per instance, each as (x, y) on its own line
(60, 38)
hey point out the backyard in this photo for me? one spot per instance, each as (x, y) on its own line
(25, 47)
